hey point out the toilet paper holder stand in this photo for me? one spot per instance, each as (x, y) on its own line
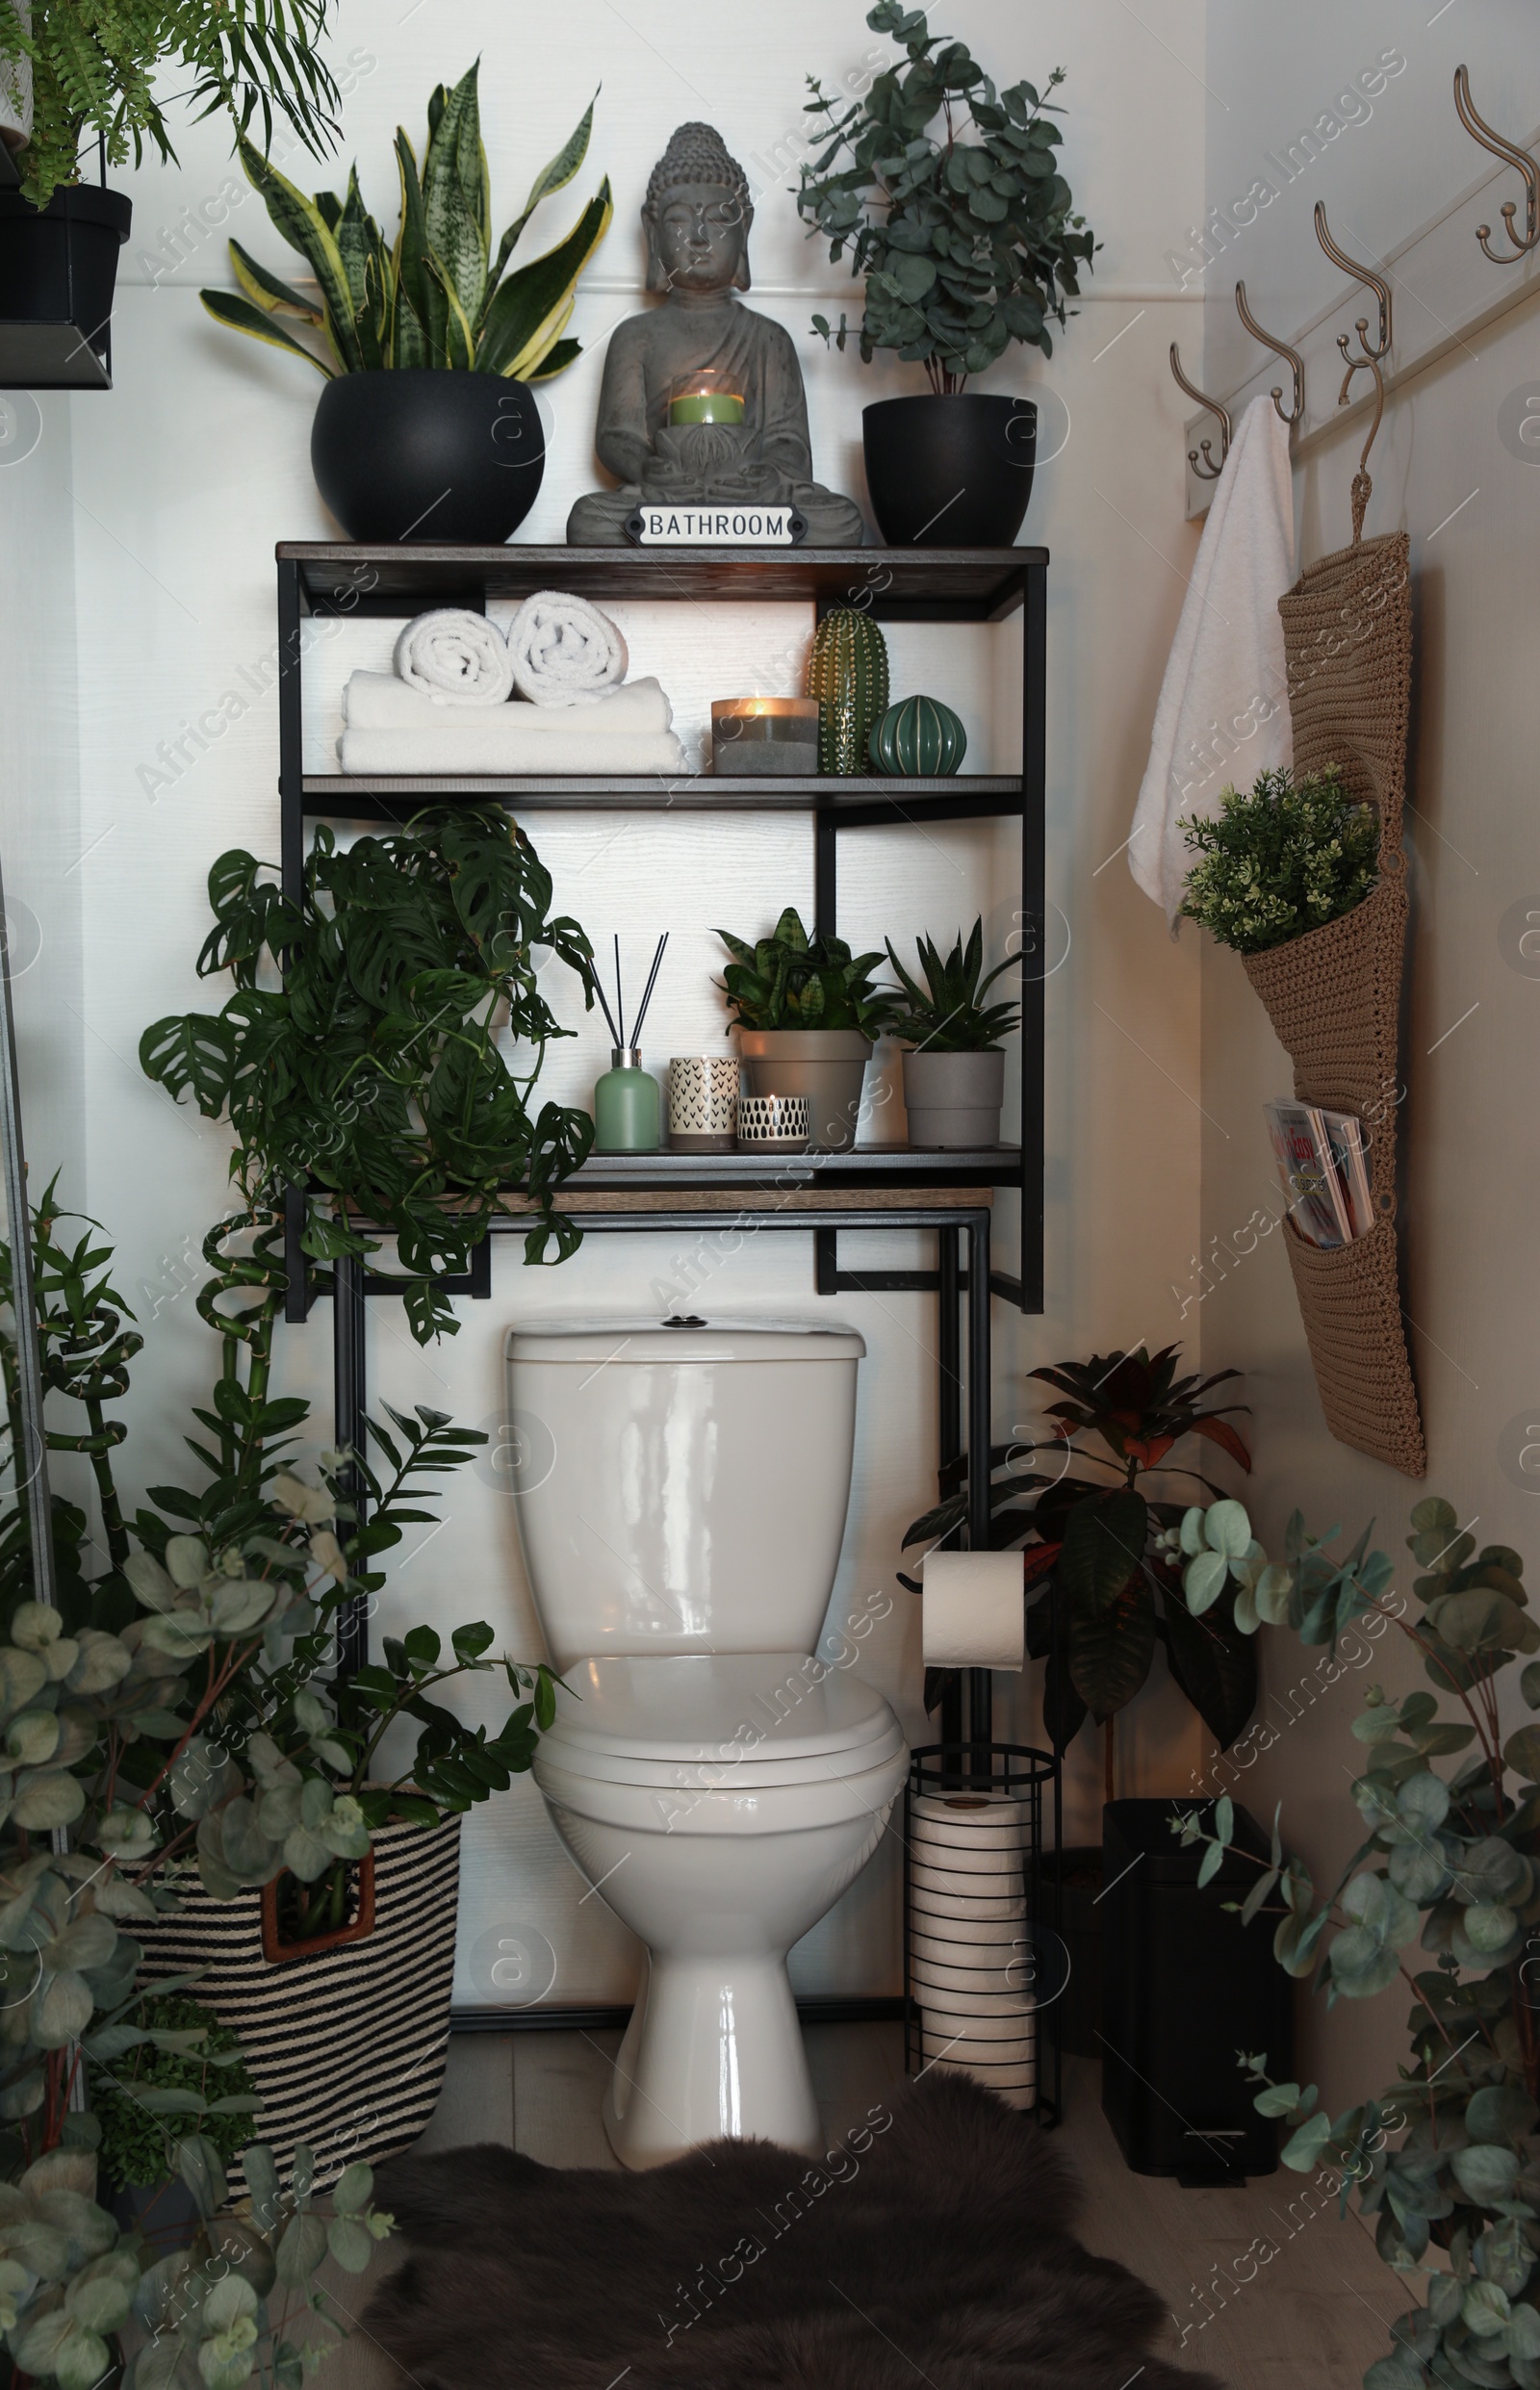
(968, 1773)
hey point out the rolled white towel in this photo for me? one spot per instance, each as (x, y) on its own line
(378, 700)
(563, 651)
(489, 744)
(456, 657)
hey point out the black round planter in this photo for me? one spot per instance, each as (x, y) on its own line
(57, 271)
(419, 455)
(950, 473)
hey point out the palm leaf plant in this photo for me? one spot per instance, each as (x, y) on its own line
(947, 1014)
(791, 980)
(438, 296)
(1445, 2161)
(179, 1710)
(96, 70)
(373, 1075)
(1104, 1555)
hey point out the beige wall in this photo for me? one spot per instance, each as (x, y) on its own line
(1468, 1124)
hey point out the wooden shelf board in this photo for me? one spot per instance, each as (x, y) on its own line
(957, 585)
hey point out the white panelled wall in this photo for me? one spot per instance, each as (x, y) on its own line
(157, 508)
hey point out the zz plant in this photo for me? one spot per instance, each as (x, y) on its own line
(371, 1073)
(791, 980)
(178, 1711)
(947, 195)
(438, 296)
(1446, 2160)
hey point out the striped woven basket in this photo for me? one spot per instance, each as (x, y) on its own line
(346, 2044)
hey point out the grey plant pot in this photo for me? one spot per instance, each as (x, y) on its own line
(954, 1099)
(827, 1065)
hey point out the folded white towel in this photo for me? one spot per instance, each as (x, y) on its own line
(456, 655)
(376, 700)
(491, 744)
(1223, 710)
(563, 651)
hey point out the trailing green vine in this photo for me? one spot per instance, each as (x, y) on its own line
(370, 1072)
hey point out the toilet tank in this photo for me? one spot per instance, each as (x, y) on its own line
(680, 1489)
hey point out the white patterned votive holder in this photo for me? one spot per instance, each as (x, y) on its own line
(703, 1102)
(773, 1124)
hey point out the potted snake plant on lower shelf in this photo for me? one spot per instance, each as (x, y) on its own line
(954, 1069)
(177, 1714)
(808, 1014)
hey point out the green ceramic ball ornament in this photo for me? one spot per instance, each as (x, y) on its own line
(847, 672)
(919, 738)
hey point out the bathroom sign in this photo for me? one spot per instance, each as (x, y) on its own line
(715, 527)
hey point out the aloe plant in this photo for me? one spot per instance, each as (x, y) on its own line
(439, 297)
(948, 1014)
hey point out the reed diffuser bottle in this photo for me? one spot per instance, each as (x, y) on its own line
(628, 1110)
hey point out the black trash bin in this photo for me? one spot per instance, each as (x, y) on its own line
(1185, 1985)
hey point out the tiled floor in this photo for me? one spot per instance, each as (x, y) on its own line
(1309, 2316)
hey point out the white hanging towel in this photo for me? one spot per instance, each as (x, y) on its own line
(1223, 712)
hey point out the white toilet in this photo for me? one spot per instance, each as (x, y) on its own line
(682, 1494)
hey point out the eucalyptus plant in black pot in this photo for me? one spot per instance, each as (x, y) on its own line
(947, 195)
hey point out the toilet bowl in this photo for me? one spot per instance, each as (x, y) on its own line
(717, 1785)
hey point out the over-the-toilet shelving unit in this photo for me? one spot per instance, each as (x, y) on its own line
(874, 1188)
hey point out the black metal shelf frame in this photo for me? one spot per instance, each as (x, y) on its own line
(982, 585)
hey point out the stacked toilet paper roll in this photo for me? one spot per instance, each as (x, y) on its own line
(970, 1952)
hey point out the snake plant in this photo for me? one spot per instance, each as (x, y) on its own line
(439, 297)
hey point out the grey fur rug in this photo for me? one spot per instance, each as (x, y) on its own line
(932, 2244)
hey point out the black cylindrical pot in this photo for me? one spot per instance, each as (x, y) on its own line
(950, 473)
(421, 454)
(59, 265)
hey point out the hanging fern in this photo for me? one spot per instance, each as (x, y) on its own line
(96, 63)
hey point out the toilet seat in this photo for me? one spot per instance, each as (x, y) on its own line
(740, 1721)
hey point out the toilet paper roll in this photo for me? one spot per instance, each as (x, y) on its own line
(973, 1609)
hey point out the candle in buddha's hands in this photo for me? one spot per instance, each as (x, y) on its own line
(704, 398)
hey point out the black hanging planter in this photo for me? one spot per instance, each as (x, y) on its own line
(57, 271)
(417, 453)
(950, 473)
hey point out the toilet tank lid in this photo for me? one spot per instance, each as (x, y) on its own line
(623, 1340)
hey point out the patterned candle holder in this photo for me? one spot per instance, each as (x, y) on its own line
(773, 1124)
(703, 1103)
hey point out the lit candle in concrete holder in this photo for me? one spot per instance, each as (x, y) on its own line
(704, 397)
(764, 736)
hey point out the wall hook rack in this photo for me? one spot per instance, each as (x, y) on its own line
(1280, 349)
(1208, 469)
(1480, 131)
(1368, 361)
(1378, 347)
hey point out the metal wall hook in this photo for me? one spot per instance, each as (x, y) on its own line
(1373, 349)
(1280, 349)
(1208, 469)
(1480, 131)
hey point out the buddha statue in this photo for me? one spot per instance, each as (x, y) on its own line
(697, 216)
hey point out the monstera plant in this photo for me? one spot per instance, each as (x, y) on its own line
(1446, 2160)
(1104, 1555)
(373, 1075)
(438, 296)
(179, 1710)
